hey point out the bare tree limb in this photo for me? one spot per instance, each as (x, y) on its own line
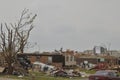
(15, 36)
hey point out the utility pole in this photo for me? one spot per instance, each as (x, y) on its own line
(109, 45)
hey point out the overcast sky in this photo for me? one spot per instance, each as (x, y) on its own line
(71, 24)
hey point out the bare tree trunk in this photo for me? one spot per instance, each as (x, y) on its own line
(10, 68)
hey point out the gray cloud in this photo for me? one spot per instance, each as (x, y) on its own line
(74, 24)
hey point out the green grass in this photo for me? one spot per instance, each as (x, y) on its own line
(88, 71)
(38, 76)
(8, 76)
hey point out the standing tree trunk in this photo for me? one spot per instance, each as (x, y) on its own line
(10, 68)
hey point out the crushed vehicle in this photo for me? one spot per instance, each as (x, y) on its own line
(105, 75)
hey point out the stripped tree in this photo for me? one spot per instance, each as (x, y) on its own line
(14, 37)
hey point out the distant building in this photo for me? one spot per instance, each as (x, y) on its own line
(95, 59)
(88, 52)
(46, 58)
(70, 59)
(99, 50)
(114, 53)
